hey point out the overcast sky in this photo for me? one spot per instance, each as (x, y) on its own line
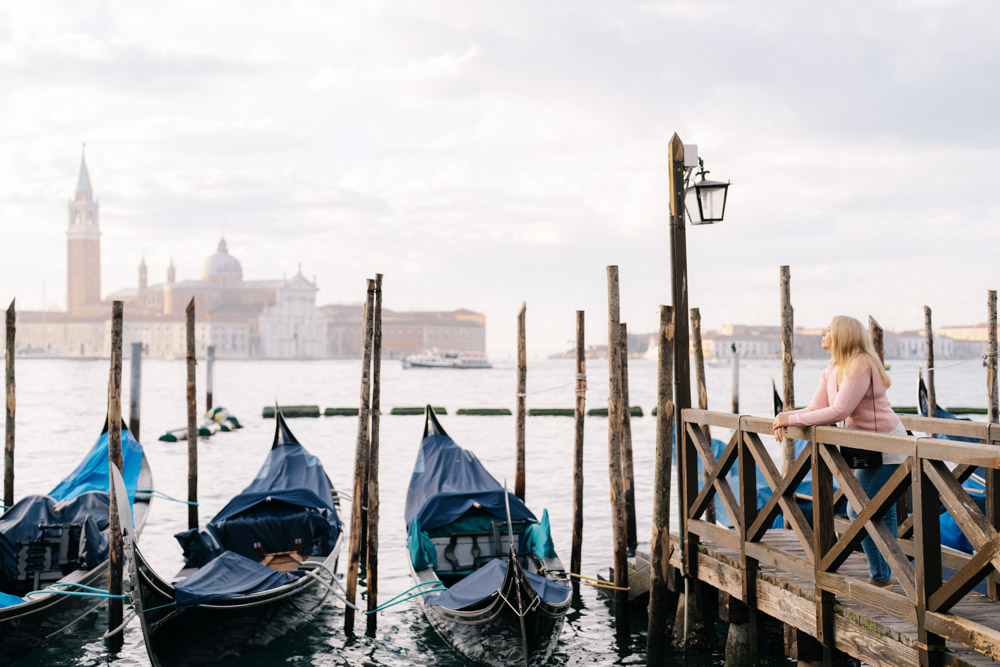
(480, 154)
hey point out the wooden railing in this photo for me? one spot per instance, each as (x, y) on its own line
(914, 552)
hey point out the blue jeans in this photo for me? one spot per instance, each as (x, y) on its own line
(872, 480)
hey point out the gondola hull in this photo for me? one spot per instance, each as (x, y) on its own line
(212, 632)
(25, 627)
(491, 635)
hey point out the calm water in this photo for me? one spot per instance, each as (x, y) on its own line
(60, 408)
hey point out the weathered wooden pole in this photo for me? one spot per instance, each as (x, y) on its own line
(360, 464)
(192, 419)
(699, 380)
(615, 407)
(576, 556)
(735, 379)
(878, 338)
(628, 471)
(992, 475)
(371, 565)
(209, 376)
(135, 391)
(787, 362)
(117, 546)
(522, 387)
(657, 639)
(8, 447)
(929, 342)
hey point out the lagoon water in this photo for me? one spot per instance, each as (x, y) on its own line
(61, 406)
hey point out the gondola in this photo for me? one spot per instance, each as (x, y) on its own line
(59, 542)
(262, 566)
(500, 592)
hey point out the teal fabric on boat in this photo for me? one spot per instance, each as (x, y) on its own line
(473, 521)
(538, 538)
(9, 600)
(422, 551)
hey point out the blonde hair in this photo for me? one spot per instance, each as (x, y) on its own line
(851, 347)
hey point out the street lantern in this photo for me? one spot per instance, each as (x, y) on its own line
(705, 200)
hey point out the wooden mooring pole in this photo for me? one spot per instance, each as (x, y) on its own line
(992, 476)
(576, 556)
(8, 447)
(657, 640)
(522, 387)
(135, 391)
(360, 464)
(628, 472)
(929, 342)
(117, 546)
(787, 362)
(699, 380)
(615, 406)
(735, 379)
(192, 419)
(371, 565)
(209, 377)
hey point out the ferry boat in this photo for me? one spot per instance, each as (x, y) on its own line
(446, 360)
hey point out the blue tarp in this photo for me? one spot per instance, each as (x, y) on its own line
(447, 482)
(485, 582)
(86, 503)
(10, 600)
(92, 473)
(228, 576)
(290, 498)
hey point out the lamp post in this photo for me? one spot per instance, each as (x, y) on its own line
(708, 200)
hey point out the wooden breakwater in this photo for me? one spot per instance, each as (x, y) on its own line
(810, 576)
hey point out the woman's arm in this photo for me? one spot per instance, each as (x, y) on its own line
(819, 400)
(852, 390)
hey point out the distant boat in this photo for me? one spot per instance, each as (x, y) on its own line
(446, 360)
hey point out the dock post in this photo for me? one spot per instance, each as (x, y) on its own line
(576, 557)
(992, 475)
(192, 419)
(135, 391)
(8, 447)
(117, 544)
(620, 548)
(927, 541)
(371, 565)
(929, 342)
(699, 380)
(522, 387)
(209, 377)
(628, 472)
(735, 379)
(787, 362)
(360, 464)
(660, 547)
(824, 536)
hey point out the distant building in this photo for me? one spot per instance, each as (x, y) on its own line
(405, 333)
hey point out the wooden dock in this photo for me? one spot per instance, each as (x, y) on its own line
(811, 577)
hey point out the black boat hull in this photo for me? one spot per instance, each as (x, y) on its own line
(491, 635)
(26, 627)
(212, 632)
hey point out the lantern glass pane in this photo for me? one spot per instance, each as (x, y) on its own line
(691, 205)
(713, 201)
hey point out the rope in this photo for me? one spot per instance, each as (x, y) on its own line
(982, 358)
(598, 583)
(579, 376)
(160, 606)
(159, 494)
(394, 602)
(85, 594)
(128, 619)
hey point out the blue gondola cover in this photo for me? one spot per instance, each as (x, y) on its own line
(228, 576)
(485, 582)
(291, 498)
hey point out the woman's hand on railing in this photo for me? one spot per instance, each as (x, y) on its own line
(779, 426)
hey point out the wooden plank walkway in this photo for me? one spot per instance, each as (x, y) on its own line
(864, 633)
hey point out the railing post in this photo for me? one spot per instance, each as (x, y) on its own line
(748, 510)
(992, 475)
(823, 540)
(927, 540)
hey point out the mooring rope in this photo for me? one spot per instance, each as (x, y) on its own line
(579, 376)
(159, 494)
(392, 602)
(983, 357)
(598, 583)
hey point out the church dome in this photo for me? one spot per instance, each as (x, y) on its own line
(222, 267)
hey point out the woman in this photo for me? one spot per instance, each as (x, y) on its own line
(852, 390)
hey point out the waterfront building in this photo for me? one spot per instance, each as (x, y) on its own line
(405, 333)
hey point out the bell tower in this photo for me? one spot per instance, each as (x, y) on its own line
(83, 245)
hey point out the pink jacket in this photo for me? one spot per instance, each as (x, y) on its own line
(851, 403)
